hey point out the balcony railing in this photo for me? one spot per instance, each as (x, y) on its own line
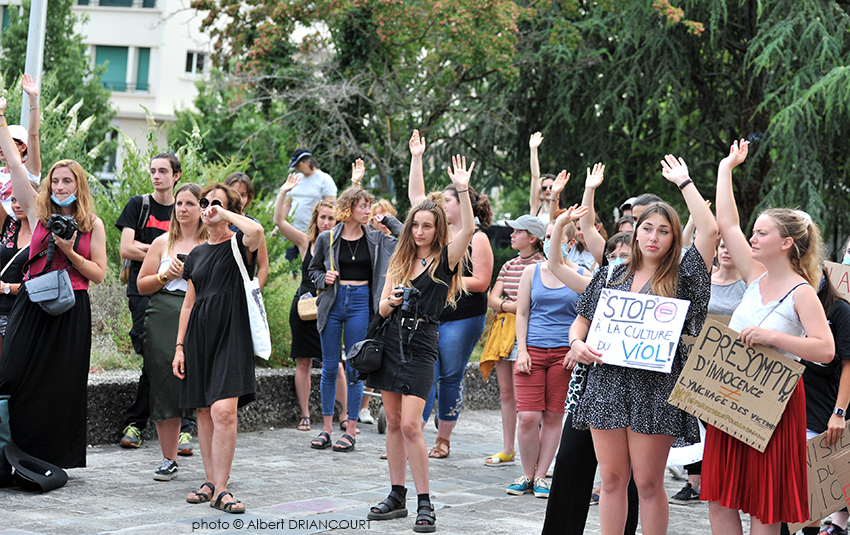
(147, 4)
(123, 87)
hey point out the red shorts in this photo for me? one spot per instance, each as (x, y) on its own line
(545, 388)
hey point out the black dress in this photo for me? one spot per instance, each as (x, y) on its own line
(408, 367)
(217, 346)
(306, 342)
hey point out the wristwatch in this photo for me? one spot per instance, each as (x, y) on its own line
(7, 289)
(839, 412)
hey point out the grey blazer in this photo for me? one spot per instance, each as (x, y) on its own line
(381, 248)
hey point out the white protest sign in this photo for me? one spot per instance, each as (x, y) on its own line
(637, 330)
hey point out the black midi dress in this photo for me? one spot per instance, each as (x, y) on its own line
(218, 348)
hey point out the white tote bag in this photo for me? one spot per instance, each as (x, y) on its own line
(256, 309)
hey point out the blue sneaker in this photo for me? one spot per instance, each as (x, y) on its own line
(541, 488)
(521, 486)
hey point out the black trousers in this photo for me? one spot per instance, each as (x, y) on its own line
(572, 484)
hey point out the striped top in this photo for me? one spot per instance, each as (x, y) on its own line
(511, 273)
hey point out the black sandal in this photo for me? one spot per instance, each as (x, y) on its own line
(321, 442)
(393, 506)
(425, 517)
(342, 446)
(227, 507)
(202, 497)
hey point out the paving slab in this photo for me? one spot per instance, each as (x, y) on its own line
(290, 488)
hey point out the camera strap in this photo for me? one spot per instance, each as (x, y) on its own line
(48, 251)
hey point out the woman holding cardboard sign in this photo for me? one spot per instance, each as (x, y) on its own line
(780, 309)
(626, 409)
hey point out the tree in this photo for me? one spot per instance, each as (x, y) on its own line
(64, 57)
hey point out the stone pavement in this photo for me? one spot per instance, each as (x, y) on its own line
(289, 488)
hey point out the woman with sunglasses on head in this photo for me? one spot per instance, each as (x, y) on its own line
(45, 361)
(780, 309)
(161, 278)
(626, 409)
(427, 260)
(213, 353)
(348, 267)
(461, 325)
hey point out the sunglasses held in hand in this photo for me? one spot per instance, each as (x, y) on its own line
(205, 203)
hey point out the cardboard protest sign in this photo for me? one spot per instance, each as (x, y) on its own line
(637, 330)
(839, 274)
(738, 389)
(829, 477)
(689, 340)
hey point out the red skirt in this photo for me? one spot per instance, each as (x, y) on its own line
(770, 486)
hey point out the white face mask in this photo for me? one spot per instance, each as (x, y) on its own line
(846, 260)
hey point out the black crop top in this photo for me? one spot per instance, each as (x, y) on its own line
(355, 262)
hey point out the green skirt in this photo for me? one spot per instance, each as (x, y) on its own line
(162, 319)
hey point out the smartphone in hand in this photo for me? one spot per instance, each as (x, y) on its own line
(182, 257)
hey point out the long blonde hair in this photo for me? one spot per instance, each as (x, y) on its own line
(808, 250)
(313, 227)
(83, 207)
(404, 256)
(666, 278)
(175, 233)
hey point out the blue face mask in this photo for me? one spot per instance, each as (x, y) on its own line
(616, 262)
(846, 260)
(67, 202)
(563, 248)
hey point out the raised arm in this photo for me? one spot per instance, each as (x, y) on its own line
(557, 187)
(416, 185)
(593, 241)
(562, 268)
(728, 221)
(282, 205)
(676, 172)
(358, 171)
(534, 196)
(460, 178)
(252, 230)
(24, 193)
(30, 87)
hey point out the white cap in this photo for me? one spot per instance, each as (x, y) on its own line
(18, 132)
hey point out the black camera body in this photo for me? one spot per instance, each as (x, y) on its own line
(409, 297)
(63, 226)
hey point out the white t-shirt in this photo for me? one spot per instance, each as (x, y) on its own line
(6, 189)
(307, 193)
(583, 259)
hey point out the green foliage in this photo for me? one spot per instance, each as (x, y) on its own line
(73, 79)
(277, 296)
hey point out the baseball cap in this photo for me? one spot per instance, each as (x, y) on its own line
(628, 204)
(299, 155)
(529, 223)
(18, 132)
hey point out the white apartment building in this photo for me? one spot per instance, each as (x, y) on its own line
(154, 54)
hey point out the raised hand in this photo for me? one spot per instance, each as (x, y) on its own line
(416, 144)
(535, 141)
(291, 181)
(559, 184)
(573, 213)
(594, 178)
(358, 170)
(460, 177)
(673, 169)
(737, 154)
(30, 87)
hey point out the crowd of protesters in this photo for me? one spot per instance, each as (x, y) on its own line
(425, 279)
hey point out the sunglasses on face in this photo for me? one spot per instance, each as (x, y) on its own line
(546, 188)
(205, 203)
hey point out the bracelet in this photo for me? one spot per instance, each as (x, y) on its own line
(179, 345)
(81, 265)
(162, 279)
(573, 341)
(502, 306)
(391, 303)
(33, 108)
(462, 190)
(684, 184)
(4, 124)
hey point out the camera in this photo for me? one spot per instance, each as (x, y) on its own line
(63, 226)
(409, 297)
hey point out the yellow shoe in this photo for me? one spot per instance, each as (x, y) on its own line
(501, 459)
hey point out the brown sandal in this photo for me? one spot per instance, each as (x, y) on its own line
(439, 451)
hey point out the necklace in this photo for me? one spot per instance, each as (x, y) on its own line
(353, 253)
(423, 259)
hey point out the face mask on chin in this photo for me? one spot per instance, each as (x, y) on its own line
(69, 200)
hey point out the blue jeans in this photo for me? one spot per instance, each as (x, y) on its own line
(350, 308)
(457, 340)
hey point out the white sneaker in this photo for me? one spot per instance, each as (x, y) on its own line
(365, 417)
(678, 472)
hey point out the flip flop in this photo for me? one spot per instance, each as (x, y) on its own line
(501, 459)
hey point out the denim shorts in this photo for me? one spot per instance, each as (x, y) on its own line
(512, 356)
